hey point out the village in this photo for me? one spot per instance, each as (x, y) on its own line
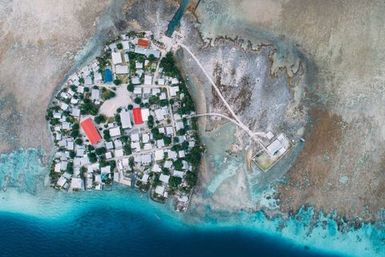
(127, 118)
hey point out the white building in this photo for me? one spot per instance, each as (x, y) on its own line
(159, 155)
(121, 69)
(116, 58)
(125, 119)
(147, 80)
(164, 178)
(114, 132)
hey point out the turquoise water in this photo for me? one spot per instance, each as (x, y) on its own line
(175, 21)
(38, 221)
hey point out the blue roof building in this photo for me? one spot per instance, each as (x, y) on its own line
(107, 76)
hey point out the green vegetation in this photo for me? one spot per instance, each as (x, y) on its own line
(100, 119)
(100, 151)
(117, 82)
(138, 100)
(88, 107)
(93, 158)
(169, 66)
(119, 46)
(130, 87)
(106, 135)
(107, 94)
(174, 182)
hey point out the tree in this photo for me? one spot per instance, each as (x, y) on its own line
(106, 135)
(101, 150)
(75, 126)
(119, 46)
(138, 100)
(174, 182)
(151, 58)
(117, 82)
(150, 121)
(92, 157)
(75, 133)
(178, 164)
(70, 167)
(130, 107)
(163, 102)
(153, 99)
(167, 140)
(79, 141)
(72, 154)
(100, 119)
(191, 178)
(181, 132)
(130, 87)
(127, 149)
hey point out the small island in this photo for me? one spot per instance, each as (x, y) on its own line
(127, 118)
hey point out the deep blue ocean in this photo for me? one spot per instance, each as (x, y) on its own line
(115, 232)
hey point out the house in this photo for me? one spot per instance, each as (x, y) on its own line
(125, 119)
(114, 132)
(146, 90)
(134, 137)
(278, 146)
(161, 82)
(61, 181)
(138, 91)
(145, 138)
(147, 80)
(146, 159)
(116, 58)
(90, 130)
(121, 69)
(126, 45)
(147, 146)
(160, 143)
(145, 178)
(181, 154)
(178, 173)
(118, 144)
(167, 164)
(135, 146)
(95, 94)
(138, 65)
(174, 91)
(135, 81)
(105, 170)
(137, 113)
(63, 106)
(159, 114)
(119, 153)
(75, 112)
(145, 114)
(169, 131)
(155, 91)
(109, 146)
(160, 190)
(156, 168)
(164, 178)
(159, 155)
(76, 183)
(143, 43)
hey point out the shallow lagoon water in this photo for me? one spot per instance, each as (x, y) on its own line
(123, 222)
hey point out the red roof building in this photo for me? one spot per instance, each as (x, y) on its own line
(142, 42)
(91, 132)
(137, 113)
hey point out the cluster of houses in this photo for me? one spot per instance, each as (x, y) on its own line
(145, 139)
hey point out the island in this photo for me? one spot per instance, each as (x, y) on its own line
(128, 118)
